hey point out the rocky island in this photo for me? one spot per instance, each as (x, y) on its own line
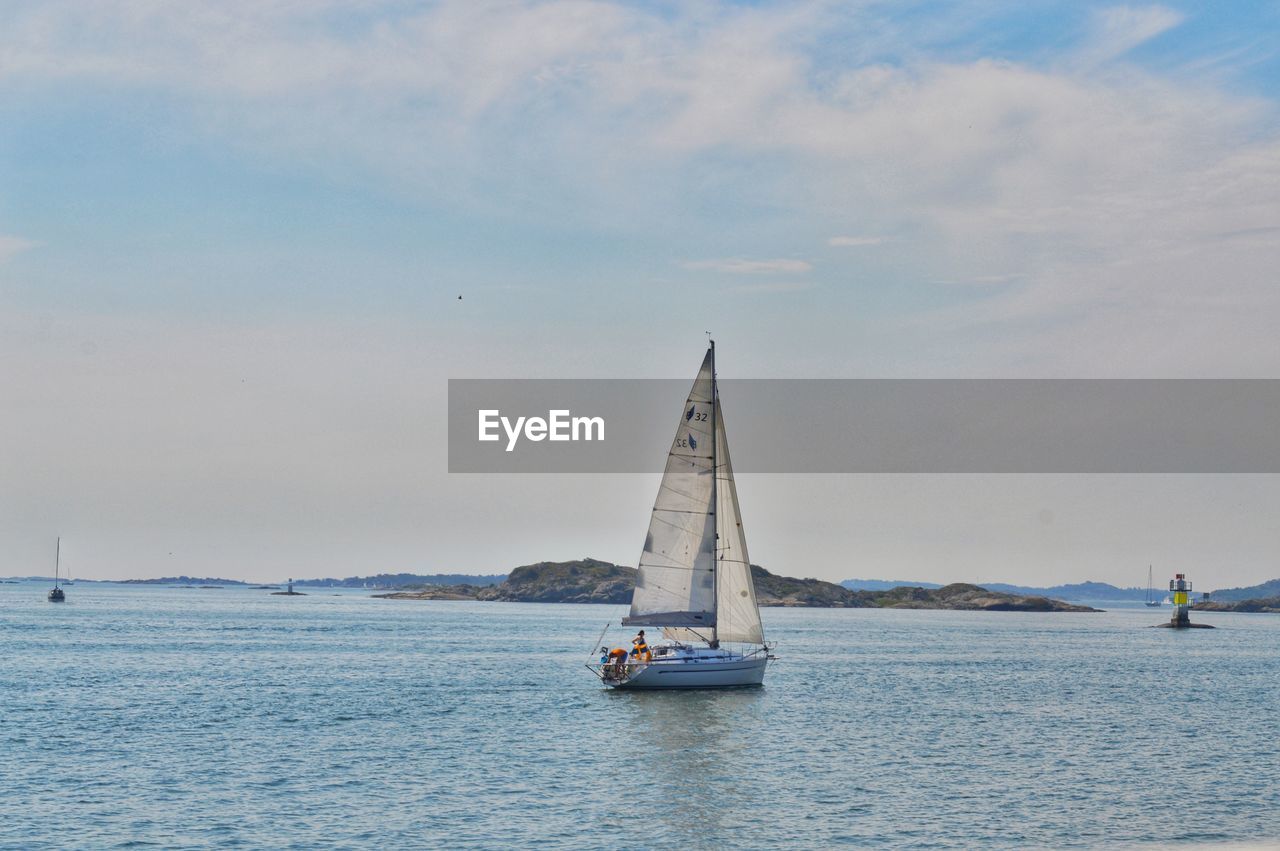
(592, 581)
(1267, 605)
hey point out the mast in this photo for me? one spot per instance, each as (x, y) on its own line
(57, 559)
(715, 496)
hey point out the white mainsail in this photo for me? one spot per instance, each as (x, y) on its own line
(676, 582)
(695, 575)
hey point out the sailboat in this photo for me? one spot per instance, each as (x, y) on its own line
(1152, 602)
(56, 594)
(694, 580)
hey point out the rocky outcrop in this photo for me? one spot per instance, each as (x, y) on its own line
(961, 596)
(592, 581)
(1270, 605)
(435, 592)
(584, 581)
(773, 590)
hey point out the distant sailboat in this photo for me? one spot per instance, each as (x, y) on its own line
(694, 580)
(1151, 600)
(56, 594)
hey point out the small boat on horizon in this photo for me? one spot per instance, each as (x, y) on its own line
(694, 579)
(56, 594)
(1152, 602)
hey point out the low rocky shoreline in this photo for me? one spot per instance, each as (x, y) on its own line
(592, 581)
(1268, 605)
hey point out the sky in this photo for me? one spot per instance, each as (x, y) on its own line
(232, 237)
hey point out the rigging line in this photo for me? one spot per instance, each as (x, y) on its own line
(708, 511)
(669, 488)
(692, 473)
(679, 497)
(679, 567)
(670, 560)
(694, 527)
(674, 591)
(692, 531)
(684, 460)
(701, 637)
(674, 454)
(697, 463)
(681, 592)
(672, 563)
(667, 485)
(688, 465)
(657, 554)
(672, 525)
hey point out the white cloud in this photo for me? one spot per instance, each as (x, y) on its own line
(740, 266)
(11, 246)
(1119, 29)
(1109, 193)
(852, 241)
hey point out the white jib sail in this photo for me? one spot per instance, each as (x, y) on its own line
(675, 586)
(737, 615)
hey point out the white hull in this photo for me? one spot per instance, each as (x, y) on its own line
(706, 672)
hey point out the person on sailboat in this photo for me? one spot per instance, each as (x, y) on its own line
(640, 647)
(618, 659)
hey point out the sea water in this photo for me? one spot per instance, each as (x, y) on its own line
(178, 717)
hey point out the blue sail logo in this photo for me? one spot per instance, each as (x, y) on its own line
(693, 444)
(688, 415)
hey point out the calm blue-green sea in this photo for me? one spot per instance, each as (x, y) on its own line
(172, 718)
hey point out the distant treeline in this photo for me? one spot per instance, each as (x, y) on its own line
(1084, 590)
(1076, 591)
(1252, 592)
